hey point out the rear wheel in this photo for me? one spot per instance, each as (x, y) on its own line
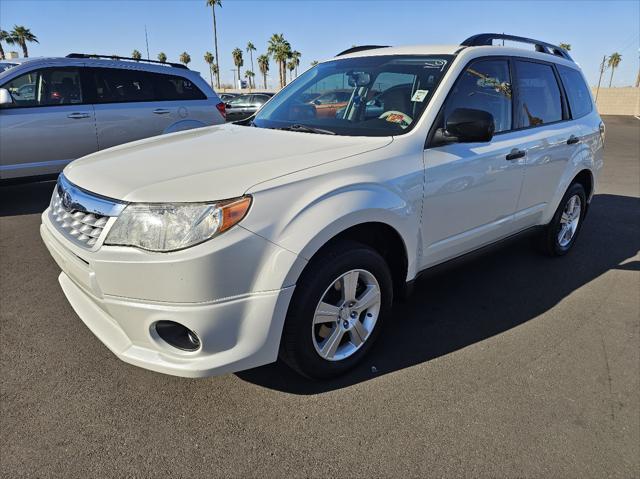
(337, 310)
(561, 233)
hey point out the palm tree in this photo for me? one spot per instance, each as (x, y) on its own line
(208, 58)
(237, 60)
(263, 65)
(314, 63)
(213, 4)
(280, 49)
(249, 76)
(4, 37)
(295, 58)
(565, 46)
(613, 62)
(21, 35)
(250, 49)
(136, 55)
(215, 71)
(162, 57)
(185, 58)
(291, 66)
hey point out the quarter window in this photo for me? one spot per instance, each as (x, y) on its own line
(577, 91)
(170, 87)
(539, 100)
(484, 85)
(46, 87)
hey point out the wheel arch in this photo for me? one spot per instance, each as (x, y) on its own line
(384, 239)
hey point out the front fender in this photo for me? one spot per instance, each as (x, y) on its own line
(310, 220)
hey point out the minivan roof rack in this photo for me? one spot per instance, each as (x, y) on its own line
(360, 49)
(543, 47)
(115, 57)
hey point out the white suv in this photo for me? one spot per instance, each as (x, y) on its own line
(219, 249)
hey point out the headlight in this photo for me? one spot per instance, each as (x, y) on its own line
(169, 227)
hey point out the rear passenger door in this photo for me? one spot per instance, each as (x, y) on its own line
(546, 135)
(133, 104)
(126, 107)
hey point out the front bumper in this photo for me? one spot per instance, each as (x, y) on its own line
(237, 331)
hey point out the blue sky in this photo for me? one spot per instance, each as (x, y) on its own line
(319, 29)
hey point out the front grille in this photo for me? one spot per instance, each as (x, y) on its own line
(79, 226)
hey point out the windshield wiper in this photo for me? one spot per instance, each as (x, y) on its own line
(307, 129)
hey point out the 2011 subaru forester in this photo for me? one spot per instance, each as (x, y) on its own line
(218, 249)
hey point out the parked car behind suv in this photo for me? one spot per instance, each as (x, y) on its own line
(243, 106)
(77, 105)
(291, 234)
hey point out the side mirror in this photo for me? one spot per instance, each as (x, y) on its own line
(5, 97)
(466, 125)
(316, 102)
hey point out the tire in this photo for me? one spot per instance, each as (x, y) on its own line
(322, 342)
(552, 242)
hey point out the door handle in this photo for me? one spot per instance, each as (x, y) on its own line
(77, 115)
(573, 139)
(515, 154)
(161, 111)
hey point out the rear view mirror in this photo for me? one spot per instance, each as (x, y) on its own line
(466, 125)
(5, 97)
(359, 79)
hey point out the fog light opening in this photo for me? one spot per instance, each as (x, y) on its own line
(177, 335)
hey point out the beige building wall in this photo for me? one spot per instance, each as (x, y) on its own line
(618, 101)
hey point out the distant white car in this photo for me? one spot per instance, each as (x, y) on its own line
(218, 249)
(80, 104)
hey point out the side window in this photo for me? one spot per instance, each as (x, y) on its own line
(170, 87)
(484, 85)
(240, 101)
(46, 87)
(539, 100)
(577, 91)
(260, 99)
(115, 85)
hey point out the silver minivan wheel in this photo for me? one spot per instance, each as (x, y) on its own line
(346, 315)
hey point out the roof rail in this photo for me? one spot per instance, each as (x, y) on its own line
(543, 47)
(115, 57)
(360, 49)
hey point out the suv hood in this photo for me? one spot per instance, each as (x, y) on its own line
(208, 164)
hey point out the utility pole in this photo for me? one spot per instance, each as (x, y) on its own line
(146, 39)
(602, 69)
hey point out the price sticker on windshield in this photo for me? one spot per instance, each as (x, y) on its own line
(420, 95)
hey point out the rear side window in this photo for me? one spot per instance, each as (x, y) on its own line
(539, 100)
(484, 85)
(114, 85)
(577, 91)
(170, 87)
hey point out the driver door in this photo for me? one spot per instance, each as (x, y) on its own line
(472, 189)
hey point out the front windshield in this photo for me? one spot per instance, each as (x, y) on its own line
(364, 96)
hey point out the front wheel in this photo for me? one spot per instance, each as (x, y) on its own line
(337, 310)
(561, 233)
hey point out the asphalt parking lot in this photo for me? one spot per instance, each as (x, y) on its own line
(511, 364)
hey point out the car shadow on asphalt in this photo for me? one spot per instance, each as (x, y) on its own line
(25, 198)
(483, 297)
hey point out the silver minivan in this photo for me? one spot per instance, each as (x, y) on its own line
(54, 110)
